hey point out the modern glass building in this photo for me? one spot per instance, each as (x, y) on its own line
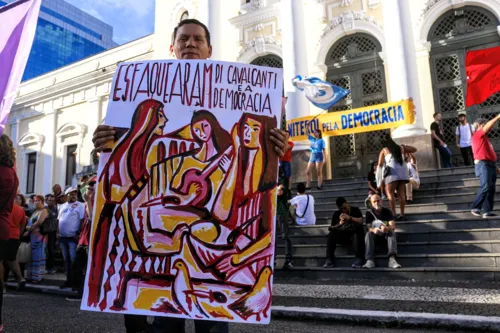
(65, 34)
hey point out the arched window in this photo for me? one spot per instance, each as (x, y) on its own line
(268, 61)
(451, 36)
(184, 16)
(354, 63)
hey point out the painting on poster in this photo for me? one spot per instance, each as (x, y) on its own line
(185, 206)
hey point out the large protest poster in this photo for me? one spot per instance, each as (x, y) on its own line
(185, 209)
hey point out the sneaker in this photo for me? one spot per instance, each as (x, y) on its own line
(74, 298)
(393, 263)
(358, 263)
(21, 285)
(475, 212)
(288, 265)
(328, 264)
(401, 218)
(369, 264)
(489, 214)
(319, 188)
(51, 271)
(384, 197)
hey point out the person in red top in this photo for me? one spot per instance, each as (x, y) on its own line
(17, 222)
(485, 160)
(8, 189)
(286, 163)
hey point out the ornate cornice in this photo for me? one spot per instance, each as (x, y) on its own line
(259, 44)
(346, 19)
(258, 15)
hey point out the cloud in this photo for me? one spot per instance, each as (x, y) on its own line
(130, 19)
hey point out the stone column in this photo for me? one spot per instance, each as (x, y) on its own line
(294, 58)
(401, 61)
(49, 151)
(210, 14)
(295, 63)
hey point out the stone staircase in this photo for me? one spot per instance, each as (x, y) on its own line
(441, 240)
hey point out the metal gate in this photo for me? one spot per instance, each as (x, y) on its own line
(451, 36)
(354, 63)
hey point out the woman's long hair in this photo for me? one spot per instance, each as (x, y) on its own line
(136, 142)
(394, 149)
(270, 158)
(219, 136)
(7, 152)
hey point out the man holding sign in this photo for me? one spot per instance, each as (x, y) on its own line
(191, 40)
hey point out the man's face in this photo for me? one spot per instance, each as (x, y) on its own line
(345, 207)
(376, 202)
(191, 43)
(438, 117)
(56, 189)
(72, 196)
(51, 201)
(461, 119)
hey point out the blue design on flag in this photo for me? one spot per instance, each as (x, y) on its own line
(321, 93)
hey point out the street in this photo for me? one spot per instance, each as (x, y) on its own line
(33, 312)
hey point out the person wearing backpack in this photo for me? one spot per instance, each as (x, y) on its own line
(303, 205)
(463, 135)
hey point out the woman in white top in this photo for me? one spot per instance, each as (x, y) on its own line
(411, 162)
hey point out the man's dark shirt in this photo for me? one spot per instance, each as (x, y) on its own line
(385, 216)
(355, 212)
(437, 129)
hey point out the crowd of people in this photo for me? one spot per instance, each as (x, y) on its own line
(394, 177)
(39, 225)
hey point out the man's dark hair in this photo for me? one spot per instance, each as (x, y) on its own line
(340, 201)
(435, 114)
(301, 188)
(191, 21)
(50, 195)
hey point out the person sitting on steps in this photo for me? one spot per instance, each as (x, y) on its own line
(347, 226)
(381, 226)
(302, 207)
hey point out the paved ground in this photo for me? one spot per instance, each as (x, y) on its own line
(460, 298)
(39, 313)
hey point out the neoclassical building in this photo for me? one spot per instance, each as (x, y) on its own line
(382, 50)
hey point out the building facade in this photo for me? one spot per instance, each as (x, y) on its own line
(382, 50)
(64, 35)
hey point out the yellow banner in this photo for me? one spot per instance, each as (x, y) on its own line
(366, 119)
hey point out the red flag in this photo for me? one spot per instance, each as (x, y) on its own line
(483, 74)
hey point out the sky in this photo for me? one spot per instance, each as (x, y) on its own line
(130, 19)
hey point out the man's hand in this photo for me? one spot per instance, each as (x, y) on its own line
(280, 140)
(498, 171)
(442, 144)
(384, 229)
(103, 134)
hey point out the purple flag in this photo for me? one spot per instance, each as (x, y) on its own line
(17, 30)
